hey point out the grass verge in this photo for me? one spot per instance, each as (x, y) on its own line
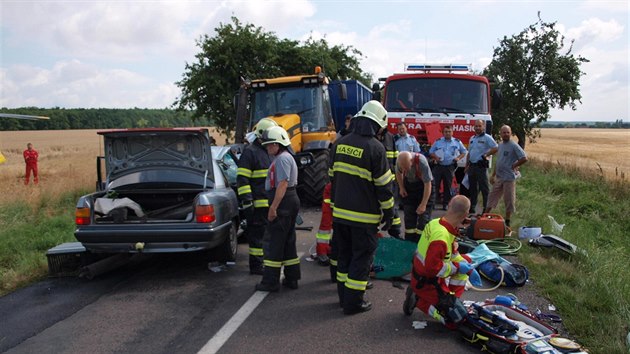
(27, 230)
(591, 290)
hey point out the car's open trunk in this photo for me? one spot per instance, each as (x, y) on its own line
(157, 205)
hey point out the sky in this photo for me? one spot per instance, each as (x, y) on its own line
(125, 54)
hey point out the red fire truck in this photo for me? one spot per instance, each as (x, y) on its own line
(427, 97)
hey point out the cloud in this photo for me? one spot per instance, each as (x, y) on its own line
(76, 84)
(594, 30)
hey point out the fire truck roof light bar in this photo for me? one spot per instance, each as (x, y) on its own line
(447, 67)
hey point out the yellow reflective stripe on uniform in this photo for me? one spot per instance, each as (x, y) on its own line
(397, 153)
(331, 172)
(342, 277)
(356, 216)
(352, 170)
(261, 203)
(244, 189)
(411, 231)
(433, 312)
(389, 203)
(255, 251)
(396, 221)
(356, 284)
(327, 200)
(324, 235)
(245, 172)
(289, 262)
(272, 264)
(384, 179)
(333, 262)
(259, 173)
(458, 280)
(446, 269)
(391, 154)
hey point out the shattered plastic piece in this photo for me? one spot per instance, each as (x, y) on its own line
(551, 307)
(419, 324)
(215, 267)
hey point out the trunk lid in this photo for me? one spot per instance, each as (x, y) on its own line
(131, 155)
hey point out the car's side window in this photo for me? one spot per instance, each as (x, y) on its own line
(230, 168)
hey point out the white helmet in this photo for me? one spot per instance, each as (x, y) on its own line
(276, 134)
(375, 111)
(263, 125)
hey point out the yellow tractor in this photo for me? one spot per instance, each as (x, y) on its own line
(302, 106)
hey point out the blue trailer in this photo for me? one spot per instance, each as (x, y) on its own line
(356, 95)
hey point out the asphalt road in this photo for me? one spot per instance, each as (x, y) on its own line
(174, 303)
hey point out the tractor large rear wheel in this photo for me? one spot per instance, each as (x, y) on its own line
(313, 178)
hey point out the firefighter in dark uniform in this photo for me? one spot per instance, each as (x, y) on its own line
(252, 171)
(361, 197)
(284, 205)
(387, 139)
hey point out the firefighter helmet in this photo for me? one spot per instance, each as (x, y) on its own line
(375, 111)
(276, 134)
(263, 125)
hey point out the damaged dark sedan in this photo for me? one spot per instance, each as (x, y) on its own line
(160, 191)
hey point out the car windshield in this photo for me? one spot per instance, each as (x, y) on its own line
(444, 95)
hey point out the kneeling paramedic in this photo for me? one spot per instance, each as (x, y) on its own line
(435, 260)
(284, 205)
(250, 178)
(360, 191)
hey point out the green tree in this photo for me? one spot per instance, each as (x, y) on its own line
(534, 76)
(240, 50)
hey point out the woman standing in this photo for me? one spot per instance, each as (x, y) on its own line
(284, 205)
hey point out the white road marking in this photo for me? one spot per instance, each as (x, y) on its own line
(218, 340)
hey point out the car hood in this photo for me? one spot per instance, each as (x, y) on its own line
(130, 151)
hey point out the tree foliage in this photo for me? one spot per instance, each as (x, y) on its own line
(98, 118)
(534, 76)
(209, 84)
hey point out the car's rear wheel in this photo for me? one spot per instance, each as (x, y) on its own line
(226, 252)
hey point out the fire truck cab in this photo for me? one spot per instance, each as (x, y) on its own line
(427, 97)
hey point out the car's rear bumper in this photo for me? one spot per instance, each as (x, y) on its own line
(153, 239)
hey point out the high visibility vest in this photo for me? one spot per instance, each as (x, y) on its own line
(430, 266)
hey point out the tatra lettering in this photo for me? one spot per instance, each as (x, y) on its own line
(349, 150)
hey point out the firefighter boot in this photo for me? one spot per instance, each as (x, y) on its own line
(333, 273)
(341, 288)
(353, 302)
(270, 281)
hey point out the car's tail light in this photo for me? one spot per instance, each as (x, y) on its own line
(204, 213)
(82, 216)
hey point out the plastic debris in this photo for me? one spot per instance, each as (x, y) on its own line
(419, 324)
(216, 267)
(555, 226)
(551, 307)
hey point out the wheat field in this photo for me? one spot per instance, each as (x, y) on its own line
(605, 151)
(68, 157)
(67, 161)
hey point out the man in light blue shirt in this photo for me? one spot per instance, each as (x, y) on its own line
(446, 151)
(405, 142)
(480, 147)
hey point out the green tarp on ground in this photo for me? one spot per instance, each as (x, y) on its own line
(393, 258)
